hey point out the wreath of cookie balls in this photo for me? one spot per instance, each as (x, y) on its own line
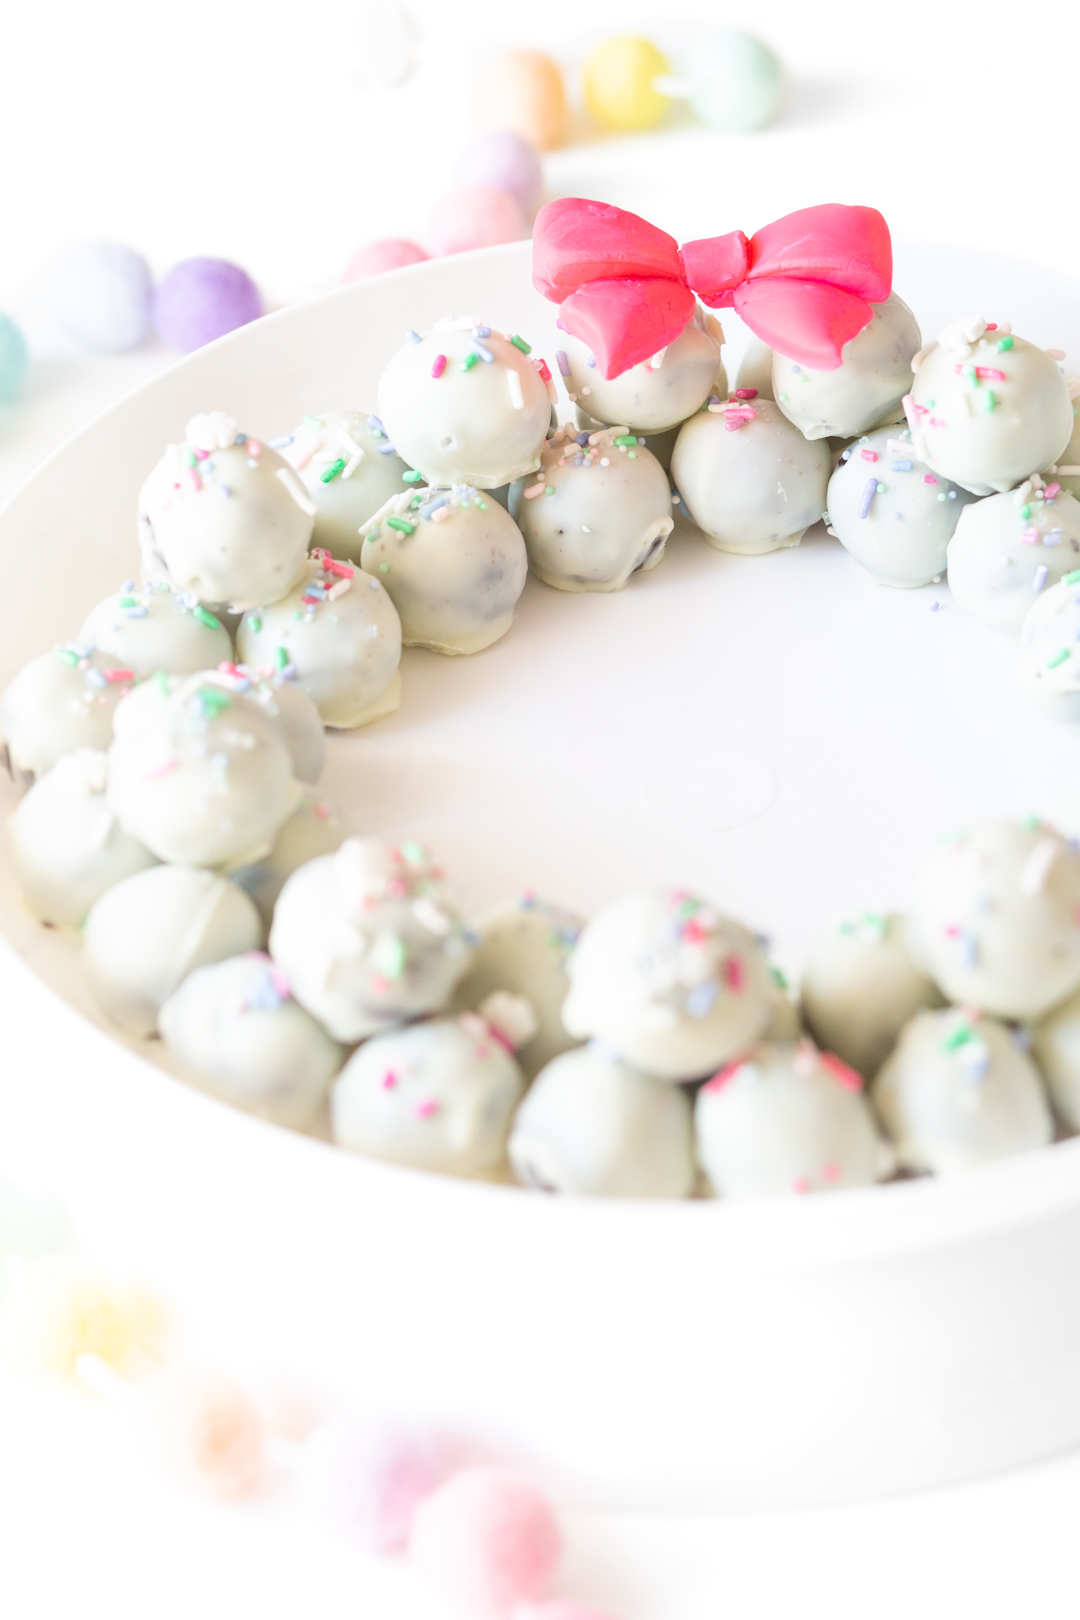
(171, 753)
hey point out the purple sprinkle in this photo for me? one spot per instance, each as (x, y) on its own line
(224, 490)
(282, 443)
(1053, 538)
(582, 439)
(411, 336)
(485, 354)
(482, 331)
(867, 496)
(375, 425)
(591, 360)
(1042, 574)
(433, 506)
(387, 450)
(562, 362)
(935, 607)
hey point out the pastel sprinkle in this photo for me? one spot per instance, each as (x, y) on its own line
(746, 393)
(1004, 343)
(469, 361)
(869, 455)
(867, 497)
(1073, 578)
(1058, 658)
(520, 343)
(256, 624)
(205, 617)
(485, 354)
(562, 362)
(328, 475)
(411, 336)
(438, 366)
(402, 524)
(281, 657)
(412, 477)
(1042, 574)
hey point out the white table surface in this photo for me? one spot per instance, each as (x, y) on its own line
(237, 130)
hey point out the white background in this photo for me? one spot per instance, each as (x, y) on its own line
(239, 130)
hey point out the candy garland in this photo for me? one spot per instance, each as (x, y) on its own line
(479, 1533)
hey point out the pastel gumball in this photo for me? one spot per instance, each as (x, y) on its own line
(1009, 549)
(101, 294)
(209, 1432)
(891, 512)
(365, 1479)
(866, 389)
(148, 932)
(620, 84)
(487, 1541)
(996, 918)
(987, 408)
(504, 161)
(960, 1091)
(861, 984)
(598, 511)
(522, 91)
(14, 357)
(349, 468)
(732, 80)
(464, 404)
(668, 984)
(60, 701)
(392, 253)
(147, 627)
(749, 479)
(313, 829)
(201, 299)
(67, 847)
(473, 216)
(658, 393)
(338, 635)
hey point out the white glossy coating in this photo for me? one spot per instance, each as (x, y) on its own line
(1009, 548)
(147, 627)
(859, 987)
(59, 701)
(865, 389)
(349, 469)
(1048, 663)
(891, 512)
(660, 392)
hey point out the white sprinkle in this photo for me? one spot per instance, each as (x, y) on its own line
(513, 381)
(1036, 868)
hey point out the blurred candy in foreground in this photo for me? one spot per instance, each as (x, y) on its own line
(473, 217)
(199, 300)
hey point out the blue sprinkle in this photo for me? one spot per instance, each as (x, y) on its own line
(482, 331)
(591, 360)
(1053, 538)
(376, 426)
(701, 998)
(485, 354)
(562, 362)
(582, 439)
(1042, 574)
(935, 607)
(900, 466)
(868, 495)
(241, 438)
(433, 506)
(282, 443)
(844, 454)
(796, 369)
(96, 678)
(411, 336)
(127, 587)
(387, 450)
(136, 613)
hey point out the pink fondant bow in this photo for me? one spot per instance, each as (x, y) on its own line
(804, 284)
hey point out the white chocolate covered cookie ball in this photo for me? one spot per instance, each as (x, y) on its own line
(224, 517)
(523, 947)
(438, 1095)
(233, 1030)
(453, 563)
(891, 512)
(1049, 661)
(150, 627)
(754, 376)
(749, 479)
(860, 986)
(67, 847)
(668, 984)
(201, 774)
(590, 1125)
(349, 468)
(787, 1119)
(864, 390)
(314, 828)
(987, 409)
(338, 635)
(149, 932)
(598, 510)
(660, 392)
(1055, 1046)
(958, 1092)
(1010, 548)
(1066, 470)
(299, 721)
(466, 405)
(369, 937)
(997, 918)
(63, 700)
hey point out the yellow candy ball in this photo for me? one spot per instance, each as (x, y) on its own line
(620, 84)
(64, 1310)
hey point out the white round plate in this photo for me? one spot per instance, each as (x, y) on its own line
(774, 731)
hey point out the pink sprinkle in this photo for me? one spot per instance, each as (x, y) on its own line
(530, 495)
(118, 676)
(342, 570)
(225, 668)
(1051, 490)
(746, 393)
(162, 770)
(379, 984)
(280, 981)
(694, 932)
(301, 461)
(439, 366)
(800, 1185)
(734, 975)
(202, 455)
(928, 478)
(426, 1108)
(320, 811)
(1030, 537)
(869, 455)
(396, 888)
(1056, 354)
(990, 373)
(936, 421)
(844, 1076)
(991, 326)
(444, 511)
(721, 1078)
(542, 367)
(831, 1172)
(911, 408)
(389, 1080)
(193, 479)
(952, 931)
(253, 448)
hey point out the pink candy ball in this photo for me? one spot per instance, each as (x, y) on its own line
(486, 1541)
(365, 1480)
(474, 217)
(504, 161)
(389, 254)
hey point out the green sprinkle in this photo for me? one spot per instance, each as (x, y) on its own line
(1058, 658)
(942, 497)
(331, 472)
(212, 701)
(989, 400)
(411, 477)
(1004, 343)
(384, 568)
(1031, 823)
(128, 601)
(392, 957)
(1025, 513)
(189, 456)
(882, 488)
(281, 657)
(631, 455)
(369, 539)
(413, 852)
(255, 624)
(1073, 578)
(520, 343)
(161, 681)
(205, 617)
(959, 1037)
(778, 978)
(625, 439)
(782, 399)
(549, 490)
(469, 361)
(401, 523)
(297, 614)
(313, 421)
(66, 656)
(482, 505)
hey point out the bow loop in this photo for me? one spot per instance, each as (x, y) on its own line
(805, 284)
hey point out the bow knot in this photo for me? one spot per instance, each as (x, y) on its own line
(805, 284)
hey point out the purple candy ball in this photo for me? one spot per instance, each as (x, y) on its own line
(199, 300)
(503, 161)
